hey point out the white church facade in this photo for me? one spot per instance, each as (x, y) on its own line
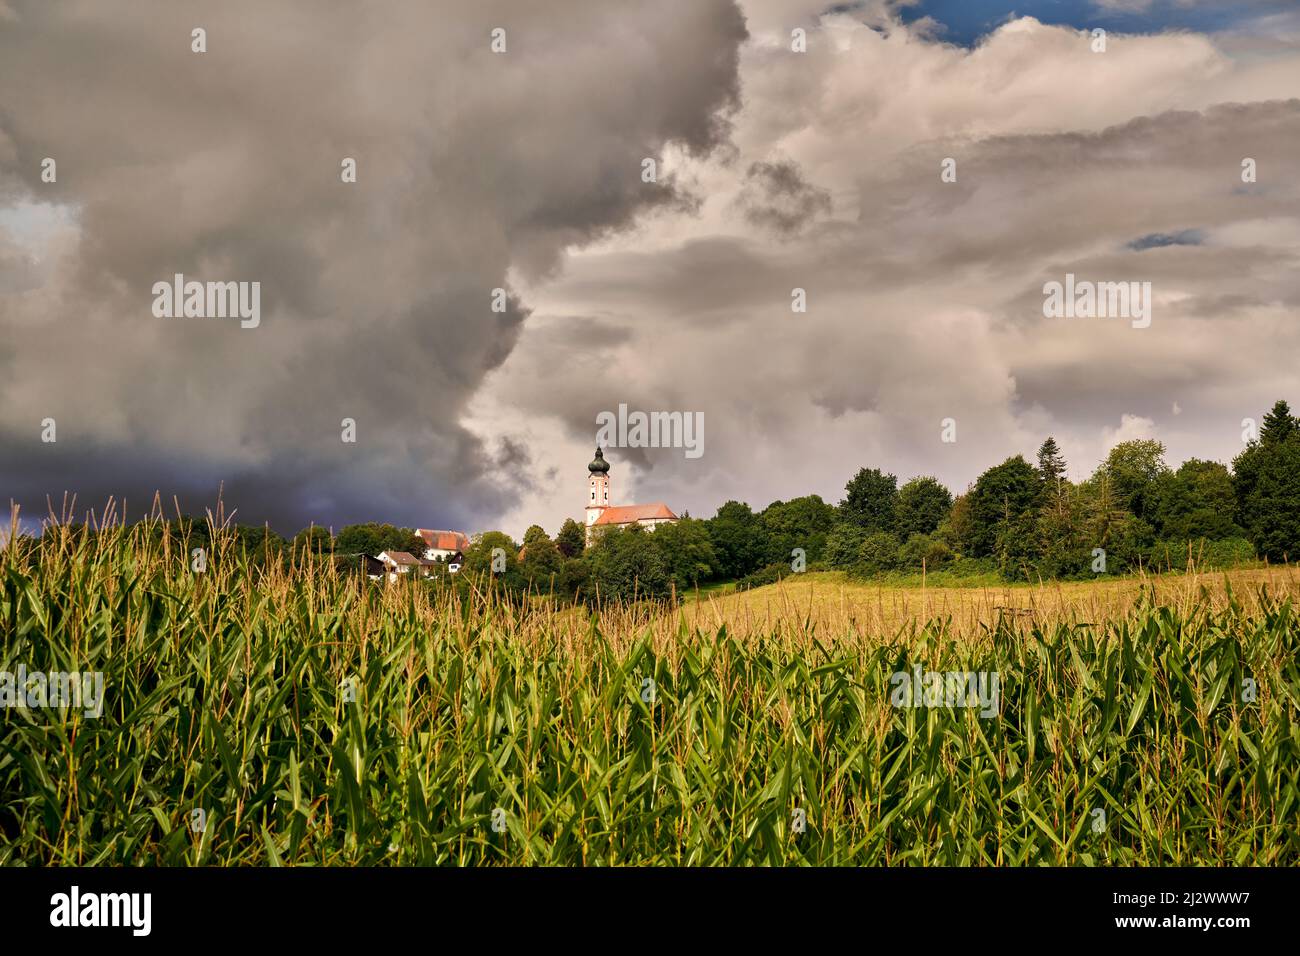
(601, 514)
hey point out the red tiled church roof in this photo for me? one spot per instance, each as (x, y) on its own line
(625, 514)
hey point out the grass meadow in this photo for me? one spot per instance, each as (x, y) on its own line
(306, 716)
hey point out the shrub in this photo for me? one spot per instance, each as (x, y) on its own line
(764, 576)
(878, 553)
(842, 545)
(1224, 553)
(921, 548)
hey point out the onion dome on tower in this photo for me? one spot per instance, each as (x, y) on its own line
(599, 466)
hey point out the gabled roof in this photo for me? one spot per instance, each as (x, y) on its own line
(626, 514)
(444, 540)
(401, 557)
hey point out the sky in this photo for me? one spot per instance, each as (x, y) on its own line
(524, 171)
(967, 21)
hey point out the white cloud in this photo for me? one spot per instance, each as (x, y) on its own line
(1131, 428)
(925, 298)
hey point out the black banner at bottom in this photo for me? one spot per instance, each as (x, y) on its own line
(342, 906)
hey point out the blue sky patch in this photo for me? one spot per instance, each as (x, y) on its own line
(966, 21)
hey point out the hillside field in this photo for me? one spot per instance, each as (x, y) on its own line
(834, 607)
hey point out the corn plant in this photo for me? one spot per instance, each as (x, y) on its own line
(257, 715)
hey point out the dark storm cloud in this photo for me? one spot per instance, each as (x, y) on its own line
(376, 296)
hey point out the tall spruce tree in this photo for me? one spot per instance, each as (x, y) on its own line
(1279, 424)
(1266, 481)
(1051, 464)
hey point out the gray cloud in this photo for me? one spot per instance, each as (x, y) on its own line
(375, 295)
(925, 297)
(1156, 240)
(777, 197)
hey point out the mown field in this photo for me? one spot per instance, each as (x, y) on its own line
(316, 719)
(836, 607)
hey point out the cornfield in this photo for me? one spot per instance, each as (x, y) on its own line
(311, 717)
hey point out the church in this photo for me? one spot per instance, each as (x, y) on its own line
(601, 514)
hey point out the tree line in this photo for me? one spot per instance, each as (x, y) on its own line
(1018, 521)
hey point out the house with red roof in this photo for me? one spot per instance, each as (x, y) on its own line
(443, 545)
(601, 514)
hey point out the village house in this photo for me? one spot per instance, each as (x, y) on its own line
(373, 568)
(601, 514)
(443, 545)
(440, 548)
(398, 562)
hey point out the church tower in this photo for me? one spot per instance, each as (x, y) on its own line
(597, 487)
